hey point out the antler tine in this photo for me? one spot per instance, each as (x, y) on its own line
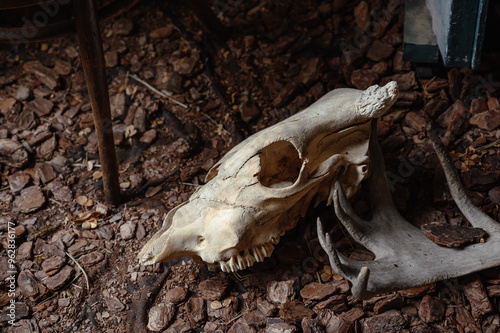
(475, 216)
(334, 255)
(359, 281)
(358, 228)
(360, 285)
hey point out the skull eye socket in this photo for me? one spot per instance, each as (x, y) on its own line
(201, 239)
(279, 165)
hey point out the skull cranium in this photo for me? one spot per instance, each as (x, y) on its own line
(261, 187)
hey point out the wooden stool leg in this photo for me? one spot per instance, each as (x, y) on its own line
(89, 39)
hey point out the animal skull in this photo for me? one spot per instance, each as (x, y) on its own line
(261, 188)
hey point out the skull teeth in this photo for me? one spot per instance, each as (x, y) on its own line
(248, 258)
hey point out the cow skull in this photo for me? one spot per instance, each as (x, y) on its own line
(261, 187)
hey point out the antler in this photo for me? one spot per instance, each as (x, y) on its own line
(404, 256)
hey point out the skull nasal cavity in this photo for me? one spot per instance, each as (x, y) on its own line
(279, 165)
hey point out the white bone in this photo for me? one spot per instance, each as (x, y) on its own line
(261, 187)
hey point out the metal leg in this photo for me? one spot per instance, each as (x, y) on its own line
(89, 39)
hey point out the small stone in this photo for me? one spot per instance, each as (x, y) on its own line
(30, 199)
(431, 309)
(362, 15)
(294, 311)
(123, 26)
(59, 163)
(111, 58)
(391, 321)
(337, 303)
(60, 279)
(317, 291)
(117, 104)
(24, 251)
(175, 295)
(265, 307)
(22, 93)
(493, 102)
(493, 290)
(455, 120)
(213, 289)
(114, 304)
(7, 105)
(60, 192)
(227, 311)
(416, 121)
(127, 230)
(160, 316)
(64, 302)
(310, 71)
(487, 120)
(161, 32)
(282, 291)
(41, 134)
(52, 265)
(91, 258)
(477, 179)
(40, 106)
(241, 326)
(18, 181)
(47, 148)
(478, 105)
(185, 66)
(12, 153)
(406, 81)
(152, 191)
(379, 51)
(140, 120)
(388, 303)
(179, 326)
(335, 324)
(476, 295)
(255, 318)
(45, 172)
(46, 75)
(286, 94)
(22, 310)
(62, 67)
(448, 235)
(363, 78)
(277, 325)
(249, 111)
(310, 325)
(195, 310)
(148, 136)
(28, 284)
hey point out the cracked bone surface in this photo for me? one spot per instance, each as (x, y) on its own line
(404, 257)
(262, 186)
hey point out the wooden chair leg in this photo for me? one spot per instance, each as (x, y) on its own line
(92, 55)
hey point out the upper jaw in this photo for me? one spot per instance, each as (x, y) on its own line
(247, 257)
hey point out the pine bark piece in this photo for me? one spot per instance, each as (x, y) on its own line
(12, 153)
(448, 235)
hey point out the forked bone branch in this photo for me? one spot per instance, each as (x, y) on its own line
(404, 256)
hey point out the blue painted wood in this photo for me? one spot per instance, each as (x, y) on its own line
(458, 27)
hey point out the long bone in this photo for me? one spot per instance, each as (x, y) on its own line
(404, 256)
